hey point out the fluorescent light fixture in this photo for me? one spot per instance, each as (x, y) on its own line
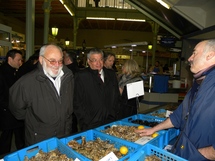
(68, 10)
(113, 47)
(129, 49)
(128, 44)
(133, 45)
(126, 19)
(163, 4)
(99, 18)
(61, 1)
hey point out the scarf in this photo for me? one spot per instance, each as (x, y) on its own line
(126, 79)
(198, 78)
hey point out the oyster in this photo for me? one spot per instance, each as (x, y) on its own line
(94, 150)
(124, 132)
(54, 155)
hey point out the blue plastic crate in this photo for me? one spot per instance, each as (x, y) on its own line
(159, 141)
(149, 150)
(138, 155)
(143, 117)
(45, 146)
(91, 135)
(158, 113)
(170, 134)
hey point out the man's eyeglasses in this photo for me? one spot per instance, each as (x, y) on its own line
(94, 60)
(53, 62)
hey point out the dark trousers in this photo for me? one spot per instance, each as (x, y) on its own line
(74, 124)
(6, 139)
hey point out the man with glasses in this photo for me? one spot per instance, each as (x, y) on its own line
(43, 98)
(96, 93)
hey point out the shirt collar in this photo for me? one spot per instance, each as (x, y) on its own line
(58, 76)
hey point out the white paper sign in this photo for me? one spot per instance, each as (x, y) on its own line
(143, 140)
(76, 159)
(135, 89)
(168, 113)
(110, 157)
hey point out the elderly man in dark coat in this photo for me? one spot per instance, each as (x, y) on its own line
(44, 97)
(96, 99)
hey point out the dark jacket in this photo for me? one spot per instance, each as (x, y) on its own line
(73, 67)
(8, 76)
(26, 67)
(196, 120)
(129, 107)
(34, 99)
(96, 103)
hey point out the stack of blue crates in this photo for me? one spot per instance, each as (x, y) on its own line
(92, 135)
(173, 132)
(158, 113)
(170, 133)
(151, 150)
(136, 151)
(46, 146)
(157, 141)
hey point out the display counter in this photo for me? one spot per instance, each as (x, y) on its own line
(151, 100)
(111, 137)
(166, 106)
(160, 90)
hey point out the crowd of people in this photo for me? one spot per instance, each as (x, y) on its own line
(50, 95)
(38, 100)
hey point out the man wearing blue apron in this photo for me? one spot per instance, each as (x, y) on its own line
(195, 116)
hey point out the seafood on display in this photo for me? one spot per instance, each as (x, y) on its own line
(152, 158)
(54, 155)
(124, 132)
(94, 149)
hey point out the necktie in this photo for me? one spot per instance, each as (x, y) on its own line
(100, 77)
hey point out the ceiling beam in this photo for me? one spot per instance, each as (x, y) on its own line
(141, 8)
(109, 13)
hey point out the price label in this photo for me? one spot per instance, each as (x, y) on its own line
(143, 140)
(110, 157)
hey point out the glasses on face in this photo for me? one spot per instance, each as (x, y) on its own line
(53, 62)
(94, 60)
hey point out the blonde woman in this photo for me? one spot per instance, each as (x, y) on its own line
(130, 74)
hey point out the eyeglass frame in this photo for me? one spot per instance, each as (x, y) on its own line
(53, 62)
(94, 60)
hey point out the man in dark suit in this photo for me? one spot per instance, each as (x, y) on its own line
(9, 125)
(96, 96)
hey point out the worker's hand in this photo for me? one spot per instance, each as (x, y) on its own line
(145, 132)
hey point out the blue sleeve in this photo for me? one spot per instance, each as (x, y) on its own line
(175, 117)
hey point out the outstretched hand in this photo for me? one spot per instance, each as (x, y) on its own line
(145, 132)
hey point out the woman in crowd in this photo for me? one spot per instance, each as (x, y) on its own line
(130, 74)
